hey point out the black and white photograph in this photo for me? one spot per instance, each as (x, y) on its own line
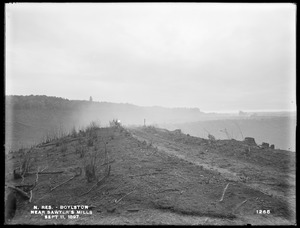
(150, 113)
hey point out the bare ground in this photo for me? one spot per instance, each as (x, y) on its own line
(162, 177)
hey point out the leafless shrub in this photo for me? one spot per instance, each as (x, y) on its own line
(55, 134)
(115, 123)
(149, 145)
(92, 127)
(25, 162)
(239, 130)
(90, 163)
(227, 134)
(211, 137)
(82, 133)
(90, 167)
(90, 172)
(90, 142)
(73, 132)
(81, 150)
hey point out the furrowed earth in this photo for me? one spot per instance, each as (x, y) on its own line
(156, 177)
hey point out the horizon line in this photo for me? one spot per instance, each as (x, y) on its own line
(201, 110)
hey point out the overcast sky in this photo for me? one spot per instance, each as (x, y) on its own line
(217, 57)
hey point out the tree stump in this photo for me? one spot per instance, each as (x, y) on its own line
(10, 204)
(250, 141)
(265, 145)
(90, 173)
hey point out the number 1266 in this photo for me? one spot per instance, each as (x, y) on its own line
(263, 212)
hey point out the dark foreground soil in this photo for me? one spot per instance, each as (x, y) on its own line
(157, 177)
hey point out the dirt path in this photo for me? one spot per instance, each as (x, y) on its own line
(203, 154)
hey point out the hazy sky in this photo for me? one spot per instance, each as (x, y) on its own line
(216, 57)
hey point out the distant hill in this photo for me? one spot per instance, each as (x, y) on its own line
(29, 118)
(85, 111)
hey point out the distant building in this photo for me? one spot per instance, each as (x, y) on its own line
(91, 99)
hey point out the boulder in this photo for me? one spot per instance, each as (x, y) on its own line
(272, 147)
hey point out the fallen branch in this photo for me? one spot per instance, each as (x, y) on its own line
(224, 192)
(117, 201)
(239, 205)
(32, 173)
(98, 182)
(54, 143)
(108, 162)
(155, 151)
(133, 210)
(35, 183)
(21, 192)
(145, 174)
(170, 189)
(30, 196)
(104, 178)
(76, 175)
(205, 221)
(47, 144)
(26, 125)
(24, 186)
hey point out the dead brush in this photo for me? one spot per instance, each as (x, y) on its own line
(90, 172)
(81, 150)
(90, 142)
(115, 123)
(91, 129)
(90, 167)
(90, 163)
(73, 133)
(25, 162)
(64, 148)
(211, 137)
(150, 145)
